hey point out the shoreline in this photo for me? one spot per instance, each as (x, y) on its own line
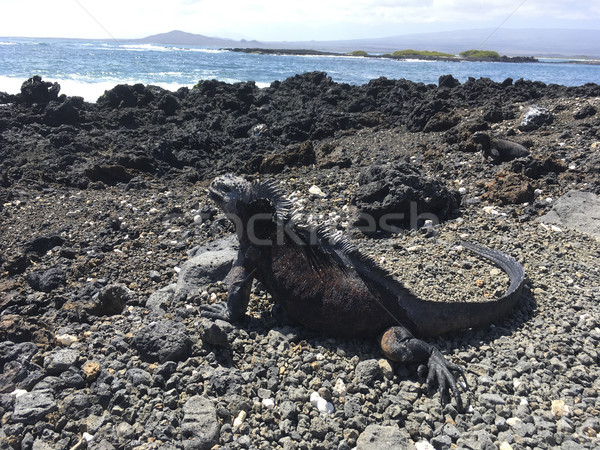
(502, 59)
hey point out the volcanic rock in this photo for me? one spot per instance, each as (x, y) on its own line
(510, 188)
(34, 90)
(534, 118)
(398, 193)
(577, 210)
(47, 280)
(163, 341)
(33, 406)
(200, 427)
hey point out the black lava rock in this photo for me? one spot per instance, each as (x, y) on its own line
(34, 90)
(163, 341)
(398, 194)
(585, 112)
(47, 280)
(534, 118)
(42, 244)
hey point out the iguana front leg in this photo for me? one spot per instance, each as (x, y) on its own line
(240, 278)
(398, 344)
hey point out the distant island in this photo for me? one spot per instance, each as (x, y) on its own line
(542, 43)
(469, 55)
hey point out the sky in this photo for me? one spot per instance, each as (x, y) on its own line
(281, 20)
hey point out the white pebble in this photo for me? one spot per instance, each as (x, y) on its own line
(340, 387)
(198, 219)
(66, 339)
(513, 421)
(322, 405)
(88, 437)
(268, 403)
(462, 190)
(315, 190)
(239, 420)
(424, 445)
(320, 357)
(314, 397)
(505, 446)
(560, 409)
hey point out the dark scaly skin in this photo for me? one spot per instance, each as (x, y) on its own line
(500, 150)
(324, 283)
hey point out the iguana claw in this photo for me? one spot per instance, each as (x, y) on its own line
(439, 371)
(216, 311)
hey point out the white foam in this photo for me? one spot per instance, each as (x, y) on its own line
(78, 85)
(144, 47)
(165, 48)
(90, 91)
(10, 85)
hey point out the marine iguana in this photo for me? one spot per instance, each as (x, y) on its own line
(323, 281)
(500, 150)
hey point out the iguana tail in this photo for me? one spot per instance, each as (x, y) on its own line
(434, 318)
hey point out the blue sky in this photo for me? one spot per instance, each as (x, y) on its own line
(276, 20)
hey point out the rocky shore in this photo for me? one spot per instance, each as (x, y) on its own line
(305, 52)
(110, 244)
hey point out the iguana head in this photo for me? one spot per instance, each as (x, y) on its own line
(240, 200)
(229, 192)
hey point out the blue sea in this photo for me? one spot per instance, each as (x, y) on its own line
(88, 68)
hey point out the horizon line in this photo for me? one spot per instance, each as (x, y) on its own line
(297, 40)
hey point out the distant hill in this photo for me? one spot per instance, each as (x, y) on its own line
(182, 38)
(512, 42)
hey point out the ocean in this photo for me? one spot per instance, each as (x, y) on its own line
(88, 68)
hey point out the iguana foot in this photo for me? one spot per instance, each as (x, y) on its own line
(439, 371)
(216, 311)
(398, 344)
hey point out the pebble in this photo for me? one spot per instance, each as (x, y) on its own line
(340, 387)
(268, 403)
(322, 405)
(66, 339)
(316, 191)
(424, 445)
(91, 370)
(560, 409)
(239, 420)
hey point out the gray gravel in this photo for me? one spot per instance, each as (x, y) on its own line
(115, 355)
